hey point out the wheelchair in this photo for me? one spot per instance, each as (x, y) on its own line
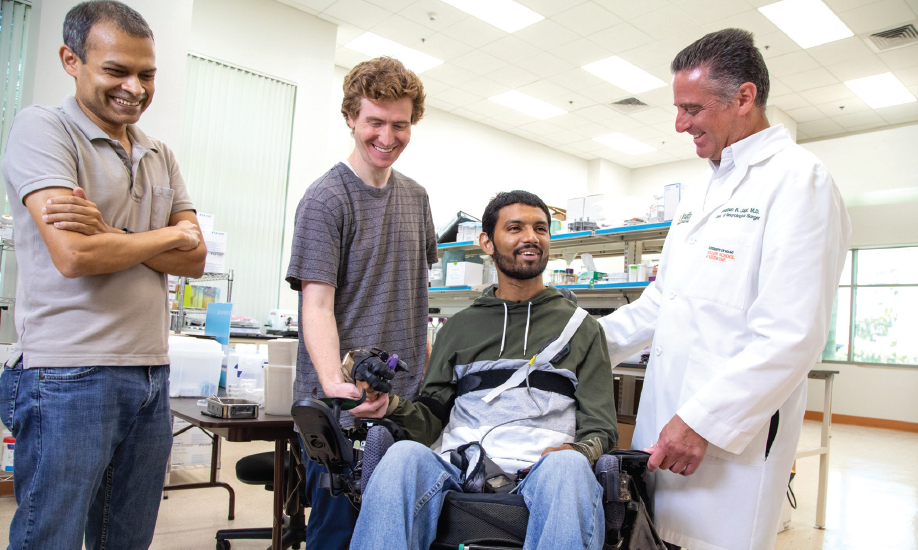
(490, 521)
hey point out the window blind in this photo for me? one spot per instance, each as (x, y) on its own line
(235, 159)
(14, 36)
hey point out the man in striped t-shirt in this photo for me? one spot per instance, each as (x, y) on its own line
(363, 242)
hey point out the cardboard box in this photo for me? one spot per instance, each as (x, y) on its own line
(464, 274)
(190, 455)
(215, 241)
(215, 262)
(625, 431)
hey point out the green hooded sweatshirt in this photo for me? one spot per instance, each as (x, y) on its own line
(511, 333)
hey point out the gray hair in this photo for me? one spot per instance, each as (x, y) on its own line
(81, 18)
(732, 60)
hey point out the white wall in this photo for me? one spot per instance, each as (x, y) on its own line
(170, 21)
(286, 43)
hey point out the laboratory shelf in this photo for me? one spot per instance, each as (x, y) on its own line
(567, 236)
(603, 286)
(574, 287)
(449, 288)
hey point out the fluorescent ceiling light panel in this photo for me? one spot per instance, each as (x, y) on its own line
(624, 75)
(882, 90)
(625, 144)
(808, 22)
(527, 104)
(377, 46)
(506, 15)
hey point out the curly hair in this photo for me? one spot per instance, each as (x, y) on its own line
(382, 79)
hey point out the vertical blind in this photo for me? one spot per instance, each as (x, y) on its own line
(14, 36)
(235, 158)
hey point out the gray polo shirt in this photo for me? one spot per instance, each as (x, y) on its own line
(117, 319)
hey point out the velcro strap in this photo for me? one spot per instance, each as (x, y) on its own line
(542, 380)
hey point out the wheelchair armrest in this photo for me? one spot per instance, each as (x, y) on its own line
(325, 443)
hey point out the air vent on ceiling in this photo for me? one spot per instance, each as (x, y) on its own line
(891, 39)
(629, 105)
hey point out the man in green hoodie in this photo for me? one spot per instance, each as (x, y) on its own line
(525, 373)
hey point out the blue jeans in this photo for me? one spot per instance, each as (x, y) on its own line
(91, 451)
(403, 501)
(331, 519)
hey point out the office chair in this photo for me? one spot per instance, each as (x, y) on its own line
(258, 469)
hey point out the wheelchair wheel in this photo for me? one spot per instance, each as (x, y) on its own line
(223, 545)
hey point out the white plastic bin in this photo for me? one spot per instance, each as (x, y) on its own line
(195, 366)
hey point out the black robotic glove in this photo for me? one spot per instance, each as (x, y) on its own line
(376, 368)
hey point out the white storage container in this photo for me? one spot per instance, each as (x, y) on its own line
(279, 388)
(195, 366)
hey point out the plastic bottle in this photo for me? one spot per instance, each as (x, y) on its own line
(571, 278)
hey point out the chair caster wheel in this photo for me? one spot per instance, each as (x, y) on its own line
(223, 545)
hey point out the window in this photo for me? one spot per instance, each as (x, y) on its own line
(14, 36)
(875, 316)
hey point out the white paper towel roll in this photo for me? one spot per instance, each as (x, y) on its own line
(279, 388)
(282, 351)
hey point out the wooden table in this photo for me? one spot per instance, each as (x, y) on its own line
(266, 427)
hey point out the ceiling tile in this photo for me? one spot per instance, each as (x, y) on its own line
(575, 101)
(545, 65)
(776, 87)
(542, 127)
(878, 16)
(471, 115)
(630, 10)
(547, 34)
(514, 118)
(841, 51)
(594, 129)
(788, 101)
(821, 127)
(859, 120)
(432, 85)
(419, 12)
(623, 124)
(903, 58)
(346, 33)
(599, 113)
(898, 114)
(842, 107)
(486, 108)
(511, 49)
(576, 79)
(311, 6)
(401, 30)
(581, 51)
(588, 145)
(570, 121)
(666, 22)
(656, 56)
(479, 62)
(443, 47)
(791, 63)
(858, 68)
(451, 74)
(549, 8)
(834, 92)
(908, 77)
(500, 125)
(603, 93)
(709, 11)
(653, 116)
(751, 20)
(348, 58)
(511, 76)
(646, 134)
(474, 32)
(839, 6)
(437, 103)
(392, 5)
(809, 79)
(621, 37)
(458, 97)
(569, 150)
(484, 87)
(775, 44)
(546, 91)
(806, 114)
(660, 97)
(357, 12)
(586, 18)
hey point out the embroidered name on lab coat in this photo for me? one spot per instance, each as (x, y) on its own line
(719, 254)
(751, 213)
(685, 218)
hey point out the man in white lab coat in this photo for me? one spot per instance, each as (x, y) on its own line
(740, 310)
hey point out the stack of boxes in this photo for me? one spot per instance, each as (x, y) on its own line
(191, 448)
(216, 245)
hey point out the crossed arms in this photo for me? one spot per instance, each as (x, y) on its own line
(81, 243)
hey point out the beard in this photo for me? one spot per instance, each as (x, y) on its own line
(507, 265)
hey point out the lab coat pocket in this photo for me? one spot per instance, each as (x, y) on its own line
(720, 269)
(161, 207)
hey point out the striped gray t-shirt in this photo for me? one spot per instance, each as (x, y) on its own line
(374, 246)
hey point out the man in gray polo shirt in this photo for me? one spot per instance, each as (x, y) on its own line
(101, 216)
(363, 242)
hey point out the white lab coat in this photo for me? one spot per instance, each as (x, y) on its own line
(739, 313)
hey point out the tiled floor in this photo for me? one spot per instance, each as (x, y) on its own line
(872, 505)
